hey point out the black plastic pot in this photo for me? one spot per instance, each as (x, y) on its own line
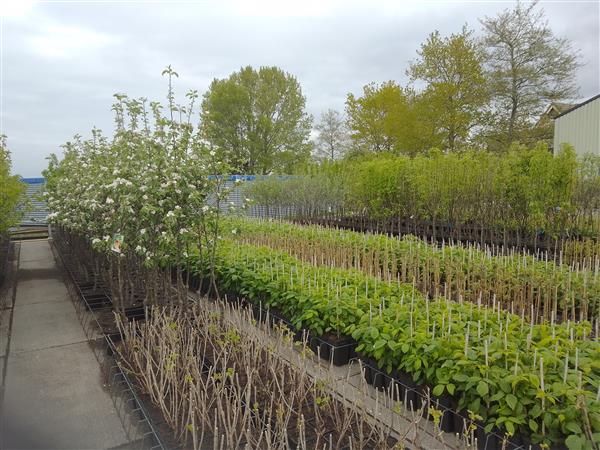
(97, 302)
(461, 421)
(276, 317)
(375, 376)
(368, 374)
(446, 405)
(334, 349)
(136, 313)
(487, 441)
(259, 314)
(521, 441)
(319, 347)
(207, 365)
(411, 391)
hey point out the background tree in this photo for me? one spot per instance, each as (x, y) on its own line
(388, 118)
(332, 141)
(528, 67)
(256, 121)
(452, 67)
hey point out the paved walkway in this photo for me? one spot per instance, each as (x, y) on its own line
(53, 395)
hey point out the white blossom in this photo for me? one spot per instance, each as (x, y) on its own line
(109, 201)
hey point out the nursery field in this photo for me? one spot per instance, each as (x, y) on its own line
(490, 347)
(520, 374)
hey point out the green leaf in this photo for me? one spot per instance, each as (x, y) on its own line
(450, 387)
(460, 377)
(438, 390)
(573, 427)
(510, 428)
(380, 343)
(511, 400)
(482, 388)
(374, 333)
(405, 348)
(575, 442)
(533, 426)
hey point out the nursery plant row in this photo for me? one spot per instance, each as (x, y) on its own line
(200, 388)
(519, 283)
(538, 382)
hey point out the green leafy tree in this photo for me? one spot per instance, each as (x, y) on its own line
(452, 67)
(528, 67)
(11, 191)
(255, 121)
(389, 118)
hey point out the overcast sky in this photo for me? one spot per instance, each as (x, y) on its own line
(62, 61)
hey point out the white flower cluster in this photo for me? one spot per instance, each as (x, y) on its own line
(147, 185)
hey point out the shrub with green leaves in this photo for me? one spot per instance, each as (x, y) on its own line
(541, 380)
(524, 190)
(12, 192)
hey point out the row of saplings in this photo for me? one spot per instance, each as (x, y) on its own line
(536, 384)
(218, 380)
(483, 364)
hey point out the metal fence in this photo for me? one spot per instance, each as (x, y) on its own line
(236, 185)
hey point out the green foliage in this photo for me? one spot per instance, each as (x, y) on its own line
(467, 272)
(523, 190)
(490, 360)
(306, 195)
(387, 118)
(456, 88)
(11, 191)
(256, 122)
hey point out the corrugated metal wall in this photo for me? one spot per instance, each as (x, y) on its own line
(580, 128)
(38, 211)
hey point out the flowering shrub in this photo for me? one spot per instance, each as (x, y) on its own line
(148, 187)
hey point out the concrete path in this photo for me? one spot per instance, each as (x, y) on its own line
(53, 391)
